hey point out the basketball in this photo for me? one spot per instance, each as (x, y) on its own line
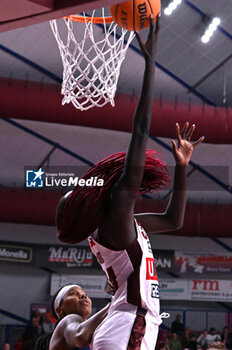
(134, 15)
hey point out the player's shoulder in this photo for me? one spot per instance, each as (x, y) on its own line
(71, 318)
(68, 321)
(65, 326)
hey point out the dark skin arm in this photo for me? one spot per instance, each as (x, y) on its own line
(73, 332)
(173, 217)
(117, 229)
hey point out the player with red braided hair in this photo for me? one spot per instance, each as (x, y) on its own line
(83, 212)
(118, 236)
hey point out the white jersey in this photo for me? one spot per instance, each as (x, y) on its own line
(131, 274)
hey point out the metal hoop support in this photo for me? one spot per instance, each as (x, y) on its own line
(83, 19)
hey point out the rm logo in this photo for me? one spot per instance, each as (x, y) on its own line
(150, 269)
(205, 285)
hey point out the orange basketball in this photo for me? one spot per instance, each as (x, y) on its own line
(135, 14)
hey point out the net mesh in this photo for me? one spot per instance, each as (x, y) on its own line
(91, 61)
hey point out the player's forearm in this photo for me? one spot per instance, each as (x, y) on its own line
(134, 164)
(143, 114)
(176, 208)
(87, 328)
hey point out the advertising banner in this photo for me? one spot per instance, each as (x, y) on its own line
(16, 253)
(164, 260)
(93, 285)
(170, 289)
(174, 289)
(211, 290)
(66, 256)
(49, 256)
(199, 263)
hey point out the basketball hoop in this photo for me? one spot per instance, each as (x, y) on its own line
(91, 60)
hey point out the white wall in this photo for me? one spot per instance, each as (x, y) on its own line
(19, 287)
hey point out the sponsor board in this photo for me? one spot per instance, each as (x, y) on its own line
(211, 290)
(93, 285)
(196, 289)
(173, 289)
(164, 260)
(199, 263)
(48, 256)
(80, 256)
(15, 253)
(66, 256)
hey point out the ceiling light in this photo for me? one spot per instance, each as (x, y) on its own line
(205, 39)
(212, 27)
(171, 7)
(210, 30)
(167, 11)
(216, 21)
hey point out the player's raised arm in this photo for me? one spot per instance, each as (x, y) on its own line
(73, 332)
(173, 217)
(118, 218)
(132, 175)
(134, 164)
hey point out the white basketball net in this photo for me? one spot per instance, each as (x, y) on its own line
(91, 67)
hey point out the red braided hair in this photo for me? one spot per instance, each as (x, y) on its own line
(83, 210)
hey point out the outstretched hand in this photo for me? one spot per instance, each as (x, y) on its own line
(183, 151)
(149, 47)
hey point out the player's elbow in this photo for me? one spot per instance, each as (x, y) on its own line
(83, 342)
(177, 223)
(83, 338)
(177, 226)
(78, 337)
(141, 131)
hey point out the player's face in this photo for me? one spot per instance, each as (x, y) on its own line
(76, 302)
